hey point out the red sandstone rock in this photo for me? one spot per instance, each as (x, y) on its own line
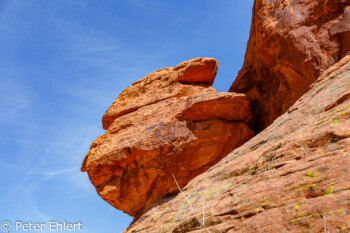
(169, 122)
(291, 43)
(292, 177)
(163, 84)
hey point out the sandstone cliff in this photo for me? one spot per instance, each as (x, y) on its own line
(171, 131)
(171, 122)
(291, 43)
(292, 177)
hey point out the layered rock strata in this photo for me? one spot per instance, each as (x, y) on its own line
(292, 177)
(291, 43)
(171, 122)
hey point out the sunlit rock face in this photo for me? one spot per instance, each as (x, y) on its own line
(291, 43)
(169, 122)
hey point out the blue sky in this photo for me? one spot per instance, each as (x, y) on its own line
(63, 62)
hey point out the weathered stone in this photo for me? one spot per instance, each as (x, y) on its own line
(169, 122)
(291, 43)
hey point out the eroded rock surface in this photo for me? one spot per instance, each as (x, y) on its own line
(291, 43)
(292, 177)
(169, 122)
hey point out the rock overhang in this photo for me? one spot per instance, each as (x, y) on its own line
(170, 122)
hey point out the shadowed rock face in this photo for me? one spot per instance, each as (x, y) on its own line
(291, 177)
(169, 122)
(291, 43)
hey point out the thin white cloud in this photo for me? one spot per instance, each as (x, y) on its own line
(150, 4)
(15, 99)
(52, 173)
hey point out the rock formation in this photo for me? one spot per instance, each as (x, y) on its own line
(292, 177)
(171, 122)
(291, 43)
(165, 157)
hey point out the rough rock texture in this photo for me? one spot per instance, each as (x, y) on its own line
(163, 84)
(292, 177)
(291, 43)
(169, 122)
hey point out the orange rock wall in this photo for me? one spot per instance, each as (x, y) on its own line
(291, 43)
